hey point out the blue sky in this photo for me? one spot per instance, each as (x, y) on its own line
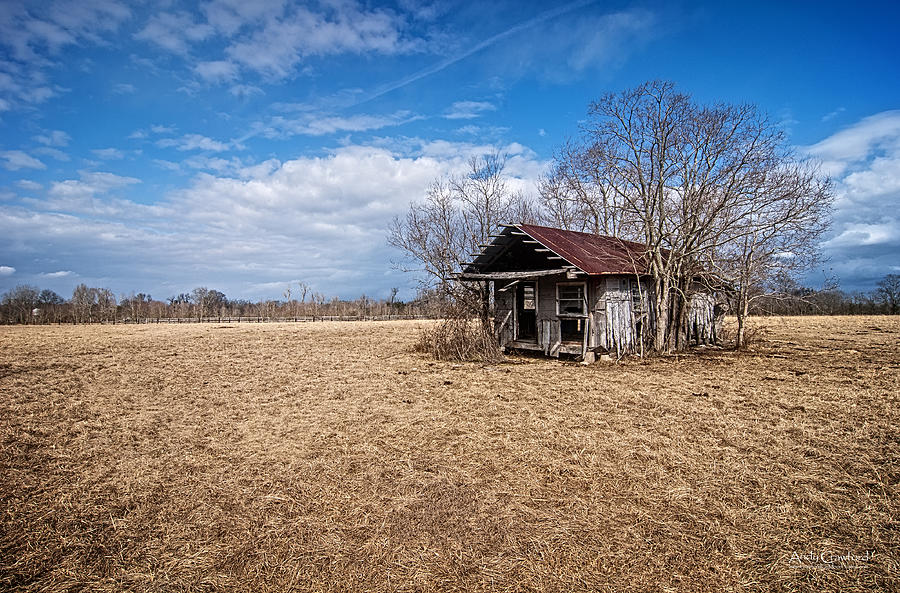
(242, 145)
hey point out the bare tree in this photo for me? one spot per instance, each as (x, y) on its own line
(292, 305)
(888, 292)
(106, 304)
(318, 300)
(776, 239)
(84, 300)
(137, 306)
(200, 298)
(577, 194)
(180, 304)
(712, 192)
(51, 305)
(207, 302)
(457, 216)
(432, 235)
(394, 292)
(20, 302)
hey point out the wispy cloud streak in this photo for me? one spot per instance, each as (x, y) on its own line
(446, 63)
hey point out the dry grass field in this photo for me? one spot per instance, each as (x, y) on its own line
(330, 457)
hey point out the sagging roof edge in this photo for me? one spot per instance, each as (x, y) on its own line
(588, 253)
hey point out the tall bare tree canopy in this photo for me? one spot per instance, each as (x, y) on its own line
(713, 191)
(458, 214)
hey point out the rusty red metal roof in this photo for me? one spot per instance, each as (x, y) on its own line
(593, 254)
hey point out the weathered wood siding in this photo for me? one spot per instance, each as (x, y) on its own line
(616, 317)
(547, 321)
(504, 314)
(701, 327)
(597, 312)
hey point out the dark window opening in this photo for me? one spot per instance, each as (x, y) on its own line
(636, 301)
(571, 308)
(572, 330)
(526, 311)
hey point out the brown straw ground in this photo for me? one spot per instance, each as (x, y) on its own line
(331, 457)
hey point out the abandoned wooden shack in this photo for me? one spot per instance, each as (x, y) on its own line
(566, 292)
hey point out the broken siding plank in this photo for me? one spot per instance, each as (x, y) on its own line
(701, 319)
(620, 332)
(555, 338)
(504, 333)
(545, 336)
(504, 302)
(546, 291)
(586, 336)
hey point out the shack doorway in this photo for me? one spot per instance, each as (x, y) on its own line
(526, 312)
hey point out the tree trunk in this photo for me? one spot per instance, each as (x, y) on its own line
(743, 309)
(485, 302)
(663, 301)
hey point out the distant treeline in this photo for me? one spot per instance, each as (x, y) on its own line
(829, 302)
(31, 305)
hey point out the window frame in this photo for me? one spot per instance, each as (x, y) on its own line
(534, 296)
(584, 300)
(515, 307)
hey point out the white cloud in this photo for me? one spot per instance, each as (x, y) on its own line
(16, 159)
(59, 274)
(89, 18)
(857, 142)
(161, 129)
(123, 88)
(583, 42)
(344, 98)
(108, 154)
(216, 71)
(833, 114)
(174, 32)
(167, 165)
(230, 16)
(598, 41)
(29, 185)
(322, 219)
(318, 124)
(7, 270)
(90, 184)
(244, 91)
(880, 177)
(276, 48)
(864, 162)
(470, 130)
(54, 138)
(886, 231)
(34, 33)
(469, 109)
(425, 11)
(216, 164)
(53, 153)
(195, 142)
(270, 38)
(347, 187)
(37, 94)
